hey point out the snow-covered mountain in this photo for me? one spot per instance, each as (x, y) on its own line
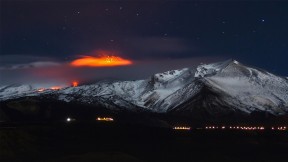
(214, 88)
(231, 85)
(14, 90)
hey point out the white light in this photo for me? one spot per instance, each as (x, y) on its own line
(68, 119)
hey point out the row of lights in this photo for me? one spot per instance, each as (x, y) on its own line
(69, 119)
(232, 127)
(245, 128)
(279, 128)
(188, 128)
(182, 128)
(104, 119)
(235, 127)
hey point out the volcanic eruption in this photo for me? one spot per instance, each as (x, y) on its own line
(100, 61)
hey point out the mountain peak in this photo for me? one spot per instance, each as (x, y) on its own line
(211, 69)
(168, 75)
(235, 61)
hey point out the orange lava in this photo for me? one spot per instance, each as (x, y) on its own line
(55, 88)
(74, 84)
(101, 61)
(40, 89)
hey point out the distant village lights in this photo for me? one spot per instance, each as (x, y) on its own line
(280, 128)
(182, 128)
(237, 127)
(105, 119)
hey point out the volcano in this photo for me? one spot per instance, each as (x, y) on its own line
(209, 91)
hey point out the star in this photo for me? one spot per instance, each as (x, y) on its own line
(262, 20)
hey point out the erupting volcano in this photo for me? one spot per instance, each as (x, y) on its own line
(100, 61)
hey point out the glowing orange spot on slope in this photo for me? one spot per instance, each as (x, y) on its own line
(101, 61)
(40, 89)
(55, 88)
(74, 84)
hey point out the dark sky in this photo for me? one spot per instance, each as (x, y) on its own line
(44, 35)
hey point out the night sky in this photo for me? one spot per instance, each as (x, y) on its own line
(40, 38)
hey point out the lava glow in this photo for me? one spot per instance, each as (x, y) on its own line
(55, 88)
(74, 84)
(40, 89)
(101, 61)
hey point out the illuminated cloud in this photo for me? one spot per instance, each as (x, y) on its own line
(100, 61)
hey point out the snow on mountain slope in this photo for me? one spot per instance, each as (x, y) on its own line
(122, 94)
(211, 87)
(14, 90)
(249, 89)
(163, 85)
(211, 69)
(142, 93)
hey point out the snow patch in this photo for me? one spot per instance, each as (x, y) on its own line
(210, 69)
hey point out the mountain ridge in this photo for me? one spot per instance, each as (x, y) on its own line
(215, 88)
